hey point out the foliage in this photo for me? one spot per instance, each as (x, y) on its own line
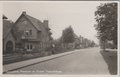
(68, 35)
(106, 18)
(92, 44)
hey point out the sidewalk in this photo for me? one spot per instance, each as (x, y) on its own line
(14, 66)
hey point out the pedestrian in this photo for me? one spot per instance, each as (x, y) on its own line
(53, 48)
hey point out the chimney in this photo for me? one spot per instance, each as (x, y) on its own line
(24, 12)
(45, 22)
(4, 17)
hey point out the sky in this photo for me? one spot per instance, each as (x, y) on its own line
(79, 15)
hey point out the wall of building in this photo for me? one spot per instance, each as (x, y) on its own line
(44, 34)
(9, 38)
(24, 25)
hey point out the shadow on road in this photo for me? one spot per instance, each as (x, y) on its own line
(110, 58)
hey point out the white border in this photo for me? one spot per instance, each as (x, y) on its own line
(1, 74)
(118, 53)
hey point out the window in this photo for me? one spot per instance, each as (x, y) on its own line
(30, 31)
(24, 22)
(30, 46)
(26, 33)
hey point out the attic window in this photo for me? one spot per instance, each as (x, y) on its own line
(27, 33)
(30, 31)
(24, 22)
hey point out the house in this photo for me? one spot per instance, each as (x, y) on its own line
(31, 34)
(76, 41)
(8, 38)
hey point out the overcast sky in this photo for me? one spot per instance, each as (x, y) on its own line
(80, 15)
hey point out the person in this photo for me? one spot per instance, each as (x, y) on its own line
(53, 48)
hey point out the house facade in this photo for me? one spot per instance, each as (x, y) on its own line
(31, 34)
(8, 38)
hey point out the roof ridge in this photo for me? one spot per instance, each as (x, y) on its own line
(33, 17)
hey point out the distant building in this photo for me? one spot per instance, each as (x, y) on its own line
(8, 38)
(76, 41)
(31, 34)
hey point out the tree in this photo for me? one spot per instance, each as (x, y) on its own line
(68, 35)
(92, 44)
(106, 18)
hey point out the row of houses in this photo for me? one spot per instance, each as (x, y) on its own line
(79, 43)
(27, 33)
(84, 42)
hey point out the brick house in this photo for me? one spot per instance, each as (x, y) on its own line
(8, 38)
(31, 34)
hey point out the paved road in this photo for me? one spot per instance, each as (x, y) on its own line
(84, 61)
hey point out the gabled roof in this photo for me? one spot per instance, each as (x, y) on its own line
(34, 21)
(7, 26)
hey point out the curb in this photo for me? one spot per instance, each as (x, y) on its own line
(18, 65)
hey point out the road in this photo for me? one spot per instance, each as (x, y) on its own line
(85, 61)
